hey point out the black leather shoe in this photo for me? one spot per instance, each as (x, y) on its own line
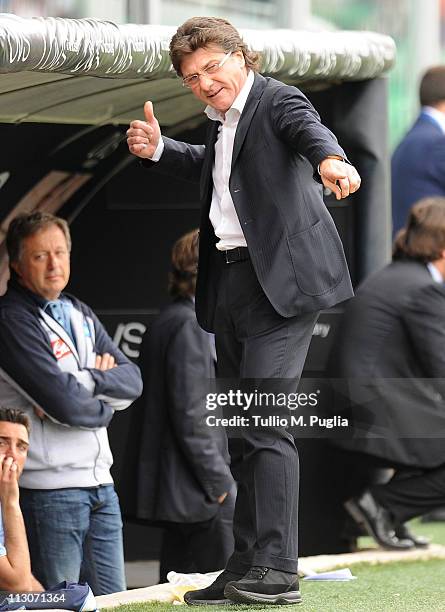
(377, 522)
(212, 595)
(403, 533)
(265, 586)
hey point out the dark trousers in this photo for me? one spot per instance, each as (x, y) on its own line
(408, 495)
(198, 547)
(257, 349)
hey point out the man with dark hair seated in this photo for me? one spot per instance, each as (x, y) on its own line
(389, 356)
(15, 565)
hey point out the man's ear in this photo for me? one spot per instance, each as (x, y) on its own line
(241, 59)
(15, 266)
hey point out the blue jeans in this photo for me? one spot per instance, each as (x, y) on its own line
(75, 535)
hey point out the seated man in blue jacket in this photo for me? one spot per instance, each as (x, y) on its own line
(59, 366)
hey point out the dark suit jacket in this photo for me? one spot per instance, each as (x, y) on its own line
(391, 347)
(183, 464)
(293, 243)
(417, 168)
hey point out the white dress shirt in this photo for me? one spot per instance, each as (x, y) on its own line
(436, 275)
(222, 210)
(223, 215)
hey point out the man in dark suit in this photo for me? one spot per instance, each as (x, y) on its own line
(184, 481)
(269, 259)
(389, 351)
(418, 163)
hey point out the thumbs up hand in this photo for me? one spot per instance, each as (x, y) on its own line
(143, 136)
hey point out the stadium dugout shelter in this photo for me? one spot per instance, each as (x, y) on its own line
(68, 90)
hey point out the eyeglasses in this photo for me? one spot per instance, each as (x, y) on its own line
(193, 79)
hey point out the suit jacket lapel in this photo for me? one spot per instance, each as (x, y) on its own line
(206, 173)
(247, 115)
